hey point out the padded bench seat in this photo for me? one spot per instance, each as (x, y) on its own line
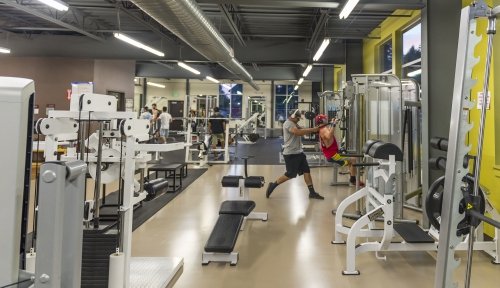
(240, 207)
(225, 233)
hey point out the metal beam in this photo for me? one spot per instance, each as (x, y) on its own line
(320, 24)
(278, 3)
(390, 4)
(232, 25)
(169, 66)
(149, 25)
(51, 19)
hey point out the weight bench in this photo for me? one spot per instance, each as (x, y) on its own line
(247, 183)
(220, 244)
(175, 171)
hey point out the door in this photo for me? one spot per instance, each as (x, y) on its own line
(176, 109)
(120, 96)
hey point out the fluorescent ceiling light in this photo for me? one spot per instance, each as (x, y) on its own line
(300, 81)
(4, 50)
(308, 69)
(348, 7)
(321, 49)
(59, 5)
(414, 73)
(156, 85)
(212, 79)
(138, 44)
(189, 68)
(296, 87)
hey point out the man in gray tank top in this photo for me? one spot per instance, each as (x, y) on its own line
(295, 159)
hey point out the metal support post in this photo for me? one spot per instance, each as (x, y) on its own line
(60, 229)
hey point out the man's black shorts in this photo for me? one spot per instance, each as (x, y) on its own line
(296, 164)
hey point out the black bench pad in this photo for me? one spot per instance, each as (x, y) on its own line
(412, 233)
(231, 181)
(225, 233)
(239, 207)
(254, 182)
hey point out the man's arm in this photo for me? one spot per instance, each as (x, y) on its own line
(303, 131)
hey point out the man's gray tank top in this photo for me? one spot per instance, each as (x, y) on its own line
(292, 143)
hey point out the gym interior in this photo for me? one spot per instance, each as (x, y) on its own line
(141, 140)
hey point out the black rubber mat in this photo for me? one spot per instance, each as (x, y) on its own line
(148, 209)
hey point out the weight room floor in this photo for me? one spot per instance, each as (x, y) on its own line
(292, 249)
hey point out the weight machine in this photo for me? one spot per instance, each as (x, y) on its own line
(380, 194)
(113, 152)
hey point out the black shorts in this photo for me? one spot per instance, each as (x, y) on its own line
(296, 164)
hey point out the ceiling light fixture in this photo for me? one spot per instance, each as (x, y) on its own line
(156, 85)
(189, 68)
(414, 73)
(348, 7)
(4, 50)
(308, 69)
(138, 44)
(296, 87)
(212, 79)
(321, 49)
(58, 5)
(300, 81)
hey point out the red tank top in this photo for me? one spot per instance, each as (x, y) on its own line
(331, 150)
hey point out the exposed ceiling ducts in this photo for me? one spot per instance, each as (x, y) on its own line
(185, 19)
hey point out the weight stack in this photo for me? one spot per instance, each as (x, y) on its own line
(97, 246)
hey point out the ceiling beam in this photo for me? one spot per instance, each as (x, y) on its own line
(150, 25)
(390, 4)
(51, 19)
(232, 24)
(320, 21)
(278, 3)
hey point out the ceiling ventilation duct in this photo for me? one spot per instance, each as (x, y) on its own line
(186, 20)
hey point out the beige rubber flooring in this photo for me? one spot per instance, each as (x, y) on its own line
(292, 249)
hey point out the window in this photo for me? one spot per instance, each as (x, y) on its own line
(286, 99)
(230, 100)
(412, 49)
(386, 57)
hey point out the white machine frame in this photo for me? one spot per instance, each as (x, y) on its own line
(163, 269)
(381, 204)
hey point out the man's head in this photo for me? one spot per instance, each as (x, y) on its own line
(145, 109)
(154, 105)
(295, 115)
(164, 109)
(321, 119)
(216, 109)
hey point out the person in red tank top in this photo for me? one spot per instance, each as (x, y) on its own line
(330, 148)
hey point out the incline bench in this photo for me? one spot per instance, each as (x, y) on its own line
(176, 171)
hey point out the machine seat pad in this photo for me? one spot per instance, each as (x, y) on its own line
(254, 182)
(237, 207)
(225, 233)
(231, 181)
